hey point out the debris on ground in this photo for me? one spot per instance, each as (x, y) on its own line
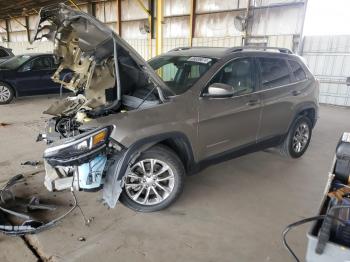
(89, 220)
(82, 239)
(31, 163)
(4, 124)
(20, 208)
(34, 204)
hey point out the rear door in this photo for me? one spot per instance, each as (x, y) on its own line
(229, 123)
(277, 96)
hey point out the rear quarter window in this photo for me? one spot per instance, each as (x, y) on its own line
(274, 72)
(297, 70)
(3, 53)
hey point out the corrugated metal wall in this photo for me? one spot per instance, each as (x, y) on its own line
(329, 60)
(278, 21)
(214, 24)
(274, 23)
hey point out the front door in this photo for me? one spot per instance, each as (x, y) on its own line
(229, 123)
(34, 77)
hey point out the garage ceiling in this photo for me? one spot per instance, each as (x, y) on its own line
(17, 8)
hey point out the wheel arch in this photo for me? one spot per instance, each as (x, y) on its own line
(182, 147)
(309, 113)
(120, 161)
(177, 141)
(306, 109)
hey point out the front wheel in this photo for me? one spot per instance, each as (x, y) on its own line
(154, 181)
(6, 94)
(298, 138)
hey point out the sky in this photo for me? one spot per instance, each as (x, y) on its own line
(327, 17)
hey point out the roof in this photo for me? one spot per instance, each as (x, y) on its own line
(221, 52)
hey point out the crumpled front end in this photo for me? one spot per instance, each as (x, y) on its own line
(107, 77)
(87, 162)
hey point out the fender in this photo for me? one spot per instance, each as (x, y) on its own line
(120, 163)
(143, 144)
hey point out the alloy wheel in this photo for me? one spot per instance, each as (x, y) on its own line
(149, 182)
(301, 137)
(5, 93)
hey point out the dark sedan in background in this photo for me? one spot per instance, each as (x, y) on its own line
(26, 75)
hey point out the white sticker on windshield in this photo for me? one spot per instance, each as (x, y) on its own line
(202, 60)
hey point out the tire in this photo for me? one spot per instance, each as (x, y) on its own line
(164, 187)
(6, 94)
(298, 138)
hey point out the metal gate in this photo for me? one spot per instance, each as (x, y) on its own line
(328, 58)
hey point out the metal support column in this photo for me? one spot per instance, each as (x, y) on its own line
(119, 17)
(246, 30)
(151, 8)
(159, 32)
(27, 28)
(7, 30)
(192, 21)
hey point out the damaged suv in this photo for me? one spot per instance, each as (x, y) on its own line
(135, 129)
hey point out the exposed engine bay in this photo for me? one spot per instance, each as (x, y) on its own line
(106, 75)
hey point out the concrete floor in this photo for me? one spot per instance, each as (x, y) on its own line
(234, 211)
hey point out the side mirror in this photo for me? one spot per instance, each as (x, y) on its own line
(219, 90)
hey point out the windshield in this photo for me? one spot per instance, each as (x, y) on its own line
(181, 72)
(15, 62)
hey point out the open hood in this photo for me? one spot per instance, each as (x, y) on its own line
(94, 62)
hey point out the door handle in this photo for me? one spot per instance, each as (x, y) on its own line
(253, 102)
(296, 92)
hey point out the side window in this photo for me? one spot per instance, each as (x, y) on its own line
(238, 74)
(41, 63)
(274, 72)
(297, 70)
(168, 72)
(181, 73)
(3, 53)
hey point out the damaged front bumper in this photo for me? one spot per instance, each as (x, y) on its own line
(88, 162)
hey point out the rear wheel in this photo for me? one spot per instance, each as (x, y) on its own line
(298, 138)
(6, 94)
(154, 181)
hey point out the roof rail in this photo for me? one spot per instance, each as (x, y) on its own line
(188, 47)
(180, 48)
(280, 49)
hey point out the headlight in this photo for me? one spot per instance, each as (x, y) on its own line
(80, 145)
